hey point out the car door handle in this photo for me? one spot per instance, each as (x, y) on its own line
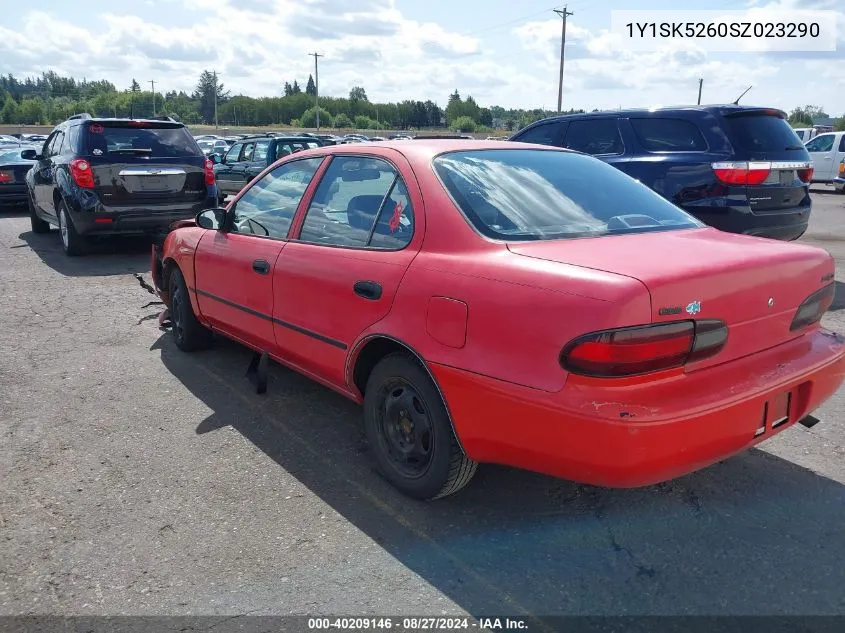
(368, 289)
(261, 267)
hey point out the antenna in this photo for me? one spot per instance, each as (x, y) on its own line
(742, 95)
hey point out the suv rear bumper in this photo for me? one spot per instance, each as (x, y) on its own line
(839, 184)
(786, 225)
(135, 220)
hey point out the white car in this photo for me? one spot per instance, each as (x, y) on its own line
(826, 153)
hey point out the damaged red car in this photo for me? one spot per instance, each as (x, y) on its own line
(509, 303)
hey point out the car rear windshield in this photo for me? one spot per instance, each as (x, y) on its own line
(141, 139)
(517, 194)
(762, 133)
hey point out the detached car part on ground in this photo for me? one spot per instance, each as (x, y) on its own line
(491, 301)
(106, 177)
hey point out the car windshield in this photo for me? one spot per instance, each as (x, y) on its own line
(149, 139)
(518, 194)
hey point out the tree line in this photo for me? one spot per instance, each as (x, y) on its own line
(804, 116)
(51, 98)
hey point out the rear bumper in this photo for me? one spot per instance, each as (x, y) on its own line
(784, 225)
(635, 434)
(12, 194)
(136, 220)
(839, 184)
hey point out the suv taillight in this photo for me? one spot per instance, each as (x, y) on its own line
(643, 349)
(813, 308)
(742, 173)
(80, 169)
(806, 174)
(209, 172)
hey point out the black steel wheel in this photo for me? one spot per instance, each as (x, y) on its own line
(410, 432)
(190, 335)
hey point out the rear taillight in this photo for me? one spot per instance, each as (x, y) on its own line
(806, 174)
(742, 173)
(813, 308)
(209, 171)
(80, 169)
(6, 177)
(643, 349)
(842, 169)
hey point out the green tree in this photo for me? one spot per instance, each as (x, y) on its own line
(363, 122)
(838, 124)
(295, 89)
(31, 111)
(463, 124)
(342, 121)
(311, 87)
(9, 113)
(288, 89)
(309, 118)
(358, 94)
(208, 88)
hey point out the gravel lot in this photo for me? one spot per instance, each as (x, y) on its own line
(139, 480)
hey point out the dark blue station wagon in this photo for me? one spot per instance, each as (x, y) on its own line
(738, 168)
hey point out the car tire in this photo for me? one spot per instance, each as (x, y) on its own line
(190, 335)
(38, 225)
(72, 242)
(409, 430)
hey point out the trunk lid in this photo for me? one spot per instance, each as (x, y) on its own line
(752, 284)
(764, 137)
(142, 163)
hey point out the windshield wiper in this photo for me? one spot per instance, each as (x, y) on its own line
(131, 150)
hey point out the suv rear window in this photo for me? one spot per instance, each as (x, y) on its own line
(762, 133)
(144, 139)
(541, 194)
(668, 135)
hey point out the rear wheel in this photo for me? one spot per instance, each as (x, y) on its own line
(38, 225)
(72, 242)
(190, 334)
(409, 429)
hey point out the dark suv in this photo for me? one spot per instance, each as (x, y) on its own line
(740, 169)
(250, 156)
(99, 177)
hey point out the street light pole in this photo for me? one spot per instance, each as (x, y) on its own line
(215, 100)
(562, 14)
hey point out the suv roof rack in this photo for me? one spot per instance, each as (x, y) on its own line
(82, 115)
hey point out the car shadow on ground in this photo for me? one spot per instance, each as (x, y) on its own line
(755, 534)
(838, 297)
(112, 256)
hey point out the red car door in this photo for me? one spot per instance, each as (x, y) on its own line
(234, 267)
(340, 274)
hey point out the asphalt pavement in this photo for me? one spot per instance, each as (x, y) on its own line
(139, 480)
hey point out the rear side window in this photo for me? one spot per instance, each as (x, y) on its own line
(260, 153)
(669, 135)
(761, 133)
(544, 134)
(143, 139)
(594, 136)
(545, 194)
(842, 143)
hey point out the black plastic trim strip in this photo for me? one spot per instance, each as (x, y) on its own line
(267, 317)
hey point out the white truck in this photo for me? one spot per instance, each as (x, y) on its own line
(826, 152)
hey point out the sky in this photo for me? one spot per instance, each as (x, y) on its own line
(501, 52)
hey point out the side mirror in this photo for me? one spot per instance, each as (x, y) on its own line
(213, 219)
(30, 154)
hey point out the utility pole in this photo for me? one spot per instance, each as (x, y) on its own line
(316, 88)
(700, 82)
(215, 100)
(153, 84)
(562, 14)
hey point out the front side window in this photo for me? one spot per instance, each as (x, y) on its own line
(823, 143)
(594, 136)
(541, 195)
(668, 135)
(360, 202)
(233, 153)
(267, 208)
(246, 155)
(544, 134)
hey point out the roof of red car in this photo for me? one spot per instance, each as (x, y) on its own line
(426, 149)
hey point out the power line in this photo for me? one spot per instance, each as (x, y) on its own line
(562, 14)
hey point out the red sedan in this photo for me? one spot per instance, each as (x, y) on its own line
(510, 303)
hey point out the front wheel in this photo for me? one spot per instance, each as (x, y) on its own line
(38, 225)
(189, 333)
(409, 429)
